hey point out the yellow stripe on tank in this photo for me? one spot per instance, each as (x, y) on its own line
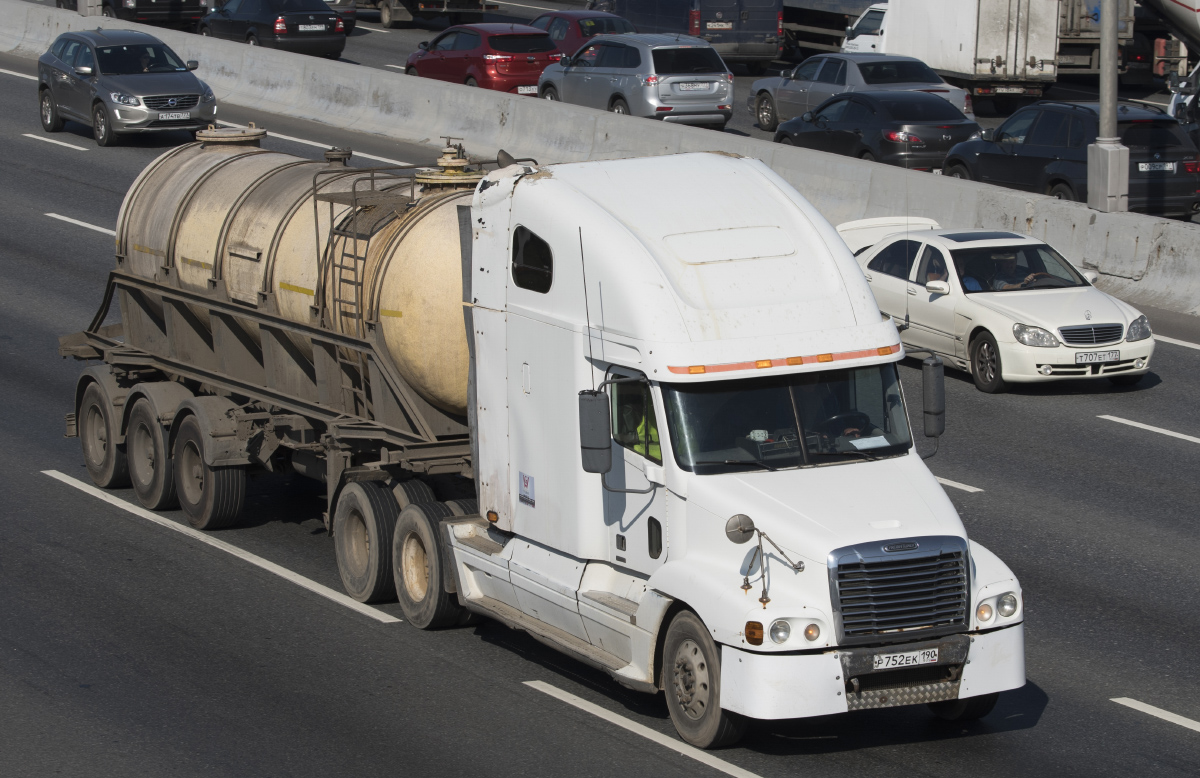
(293, 288)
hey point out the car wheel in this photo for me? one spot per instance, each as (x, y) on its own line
(411, 72)
(205, 32)
(1126, 380)
(102, 129)
(550, 93)
(472, 82)
(958, 171)
(985, 364)
(764, 110)
(51, 121)
(867, 156)
(253, 41)
(109, 12)
(619, 106)
(786, 140)
(1061, 191)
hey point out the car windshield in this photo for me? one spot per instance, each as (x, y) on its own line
(522, 44)
(898, 72)
(681, 61)
(604, 25)
(915, 109)
(140, 58)
(1010, 268)
(1153, 135)
(797, 420)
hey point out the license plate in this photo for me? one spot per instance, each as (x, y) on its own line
(1010, 90)
(926, 656)
(693, 87)
(1146, 167)
(1091, 357)
(312, 28)
(527, 90)
(720, 25)
(937, 171)
(162, 117)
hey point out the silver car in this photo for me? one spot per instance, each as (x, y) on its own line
(816, 79)
(119, 82)
(672, 78)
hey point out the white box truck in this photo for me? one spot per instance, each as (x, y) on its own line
(660, 430)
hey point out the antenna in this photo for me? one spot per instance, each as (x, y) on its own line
(586, 313)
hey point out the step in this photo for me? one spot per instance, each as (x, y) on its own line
(613, 602)
(547, 633)
(474, 534)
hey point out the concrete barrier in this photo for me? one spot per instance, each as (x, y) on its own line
(1142, 259)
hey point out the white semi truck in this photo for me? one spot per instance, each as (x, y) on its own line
(660, 430)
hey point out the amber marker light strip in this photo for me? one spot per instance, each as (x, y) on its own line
(759, 364)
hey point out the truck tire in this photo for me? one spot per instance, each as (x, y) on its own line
(986, 367)
(363, 523)
(412, 491)
(211, 497)
(149, 459)
(970, 709)
(419, 556)
(385, 15)
(105, 460)
(692, 681)
(464, 507)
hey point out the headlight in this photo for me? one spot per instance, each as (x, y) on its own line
(120, 98)
(780, 631)
(208, 95)
(984, 613)
(1007, 605)
(1139, 329)
(1034, 336)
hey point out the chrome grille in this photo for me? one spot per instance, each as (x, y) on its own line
(163, 102)
(881, 596)
(1091, 334)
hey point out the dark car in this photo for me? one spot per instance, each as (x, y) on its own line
(1043, 148)
(348, 10)
(910, 129)
(302, 26)
(571, 29)
(504, 57)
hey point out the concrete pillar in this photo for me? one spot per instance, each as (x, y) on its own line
(1108, 160)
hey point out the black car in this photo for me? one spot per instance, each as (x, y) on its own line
(303, 26)
(909, 129)
(1043, 148)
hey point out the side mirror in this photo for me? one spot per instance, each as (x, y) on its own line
(192, 64)
(740, 528)
(850, 33)
(938, 287)
(423, 45)
(83, 71)
(989, 134)
(807, 117)
(595, 431)
(1091, 276)
(933, 380)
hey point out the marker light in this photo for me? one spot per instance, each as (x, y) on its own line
(493, 517)
(824, 357)
(763, 363)
(754, 633)
(780, 631)
(812, 632)
(694, 369)
(1007, 605)
(984, 613)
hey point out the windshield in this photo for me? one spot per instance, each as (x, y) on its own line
(1009, 268)
(681, 61)
(789, 421)
(898, 72)
(140, 58)
(604, 25)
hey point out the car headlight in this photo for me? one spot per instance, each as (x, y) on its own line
(780, 631)
(1139, 329)
(1034, 336)
(1007, 605)
(120, 98)
(208, 95)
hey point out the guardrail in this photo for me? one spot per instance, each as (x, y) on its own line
(1143, 259)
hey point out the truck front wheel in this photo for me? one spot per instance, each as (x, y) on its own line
(363, 523)
(419, 567)
(970, 709)
(211, 497)
(692, 682)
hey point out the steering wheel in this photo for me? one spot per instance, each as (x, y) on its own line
(837, 424)
(1027, 281)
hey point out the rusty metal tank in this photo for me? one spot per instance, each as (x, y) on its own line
(313, 242)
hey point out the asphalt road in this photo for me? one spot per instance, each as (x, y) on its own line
(127, 649)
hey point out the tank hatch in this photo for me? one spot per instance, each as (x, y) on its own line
(231, 136)
(453, 170)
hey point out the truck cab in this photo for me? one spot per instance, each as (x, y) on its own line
(866, 34)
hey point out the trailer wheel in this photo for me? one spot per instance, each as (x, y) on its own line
(970, 709)
(692, 680)
(105, 460)
(211, 497)
(463, 507)
(419, 556)
(412, 491)
(150, 467)
(386, 20)
(363, 523)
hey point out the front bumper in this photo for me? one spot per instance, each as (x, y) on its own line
(128, 120)
(793, 685)
(1024, 364)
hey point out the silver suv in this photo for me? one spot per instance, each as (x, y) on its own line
(673, 78)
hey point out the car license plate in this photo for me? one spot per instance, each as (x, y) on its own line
(937, 171)
(312, 28)
(720, 25)
(1091, 357)
(1010, 90)
(693, 86)
(527, 90)
(164, 117)
(1146, 167)
(927, 656)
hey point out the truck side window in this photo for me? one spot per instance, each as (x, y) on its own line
(634, 425)
(532, 262)
(896, 260)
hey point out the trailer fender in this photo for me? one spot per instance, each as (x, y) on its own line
(113, 392)
(216, 416)
(164, 397)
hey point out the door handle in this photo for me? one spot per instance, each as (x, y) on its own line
(868, 276)
(912, 290)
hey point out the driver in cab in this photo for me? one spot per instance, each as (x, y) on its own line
(1005, 275)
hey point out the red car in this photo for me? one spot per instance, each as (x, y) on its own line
(504, 57)
(571, 29)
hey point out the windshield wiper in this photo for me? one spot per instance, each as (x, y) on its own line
(851, 453)
(758, 462)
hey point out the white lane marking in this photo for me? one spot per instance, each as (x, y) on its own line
(319, 145)
(957, 485)
(397, 67)
(245, 556)
(704, 757)
(371, 29)
(51, 140)
(78, 223)
(1165, 715)
(18, 75)
(1159, 430)
(1173, 341)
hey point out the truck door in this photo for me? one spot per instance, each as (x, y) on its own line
(867, 33)
(637, 523)
(1012, 33)
(759, 33)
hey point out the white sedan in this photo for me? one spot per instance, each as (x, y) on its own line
(1005, 307)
